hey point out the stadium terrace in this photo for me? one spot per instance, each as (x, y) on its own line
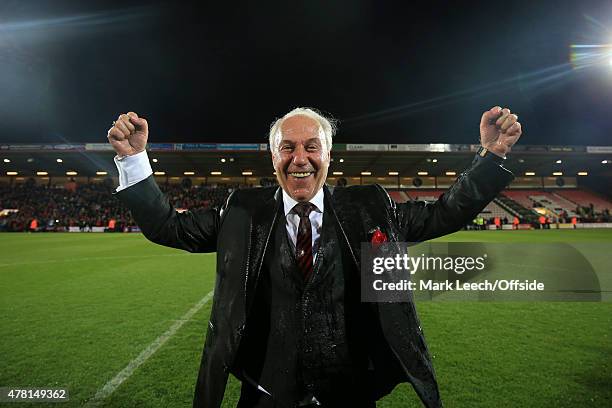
(67, 187)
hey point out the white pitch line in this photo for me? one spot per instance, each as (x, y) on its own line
(124, 374)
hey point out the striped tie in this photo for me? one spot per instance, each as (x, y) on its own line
(303, 246)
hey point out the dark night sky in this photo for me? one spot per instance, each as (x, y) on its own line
(390, 72)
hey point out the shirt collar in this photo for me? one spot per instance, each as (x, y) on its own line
(289, 202)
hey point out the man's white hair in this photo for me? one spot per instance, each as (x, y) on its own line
(327, 127)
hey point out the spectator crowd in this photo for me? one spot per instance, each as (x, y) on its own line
(30, 207)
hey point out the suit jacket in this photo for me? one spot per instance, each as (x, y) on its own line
(240, 231)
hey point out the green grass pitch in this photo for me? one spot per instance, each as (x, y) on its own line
(77, 308)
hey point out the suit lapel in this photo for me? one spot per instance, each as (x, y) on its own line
(262, 223)
(350, 230)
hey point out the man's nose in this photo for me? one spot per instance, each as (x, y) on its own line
(300, 156)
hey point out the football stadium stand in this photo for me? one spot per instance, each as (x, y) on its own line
(584, 198)
(493, 210)
(424, 195)
(513, 207)
(522, 197)
(58, 208)
(399, 196)
(62, 207)
(70, 186)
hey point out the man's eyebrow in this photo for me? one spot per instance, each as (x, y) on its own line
(292, 143)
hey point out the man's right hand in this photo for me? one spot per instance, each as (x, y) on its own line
(129, 134)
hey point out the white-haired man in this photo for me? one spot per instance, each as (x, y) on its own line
(287, 319)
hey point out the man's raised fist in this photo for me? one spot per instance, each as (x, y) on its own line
(499, 130)
(129, 134)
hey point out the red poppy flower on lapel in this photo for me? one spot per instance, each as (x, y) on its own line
(378, 238)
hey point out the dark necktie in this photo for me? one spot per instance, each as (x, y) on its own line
(303, 246)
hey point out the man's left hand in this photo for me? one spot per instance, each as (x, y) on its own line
(499, 130)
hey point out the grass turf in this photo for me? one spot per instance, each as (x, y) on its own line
(75, 309)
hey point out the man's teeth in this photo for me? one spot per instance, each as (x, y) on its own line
(300, 175)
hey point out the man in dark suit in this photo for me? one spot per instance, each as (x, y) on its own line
(287, 319)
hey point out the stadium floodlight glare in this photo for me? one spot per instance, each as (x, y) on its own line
(366, 173)
(557, 173)
(247, 173)
(7, 160)
(11, 173)
(338, 173)
(530, 173)
(604, 162)
(222, 160)
(394, 173)
(583, 173)
(42, 173)
(101, 173)
(559, 161)
(154, 160)
(341, 160)
(71, 173)
(160, 173)
(422, 173)
(188, 173)
(434, 160)
(59, 160)
(451, 173)
(215, 173)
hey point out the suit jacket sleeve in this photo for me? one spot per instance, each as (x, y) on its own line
(472, 191)
(193, 231)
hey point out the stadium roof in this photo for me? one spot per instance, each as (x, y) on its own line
(351, 159)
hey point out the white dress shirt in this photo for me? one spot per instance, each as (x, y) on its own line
(316, 219)
(133, 169)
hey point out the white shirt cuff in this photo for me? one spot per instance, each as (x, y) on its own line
(133, 169)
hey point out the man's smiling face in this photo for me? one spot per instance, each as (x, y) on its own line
(300, 157)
